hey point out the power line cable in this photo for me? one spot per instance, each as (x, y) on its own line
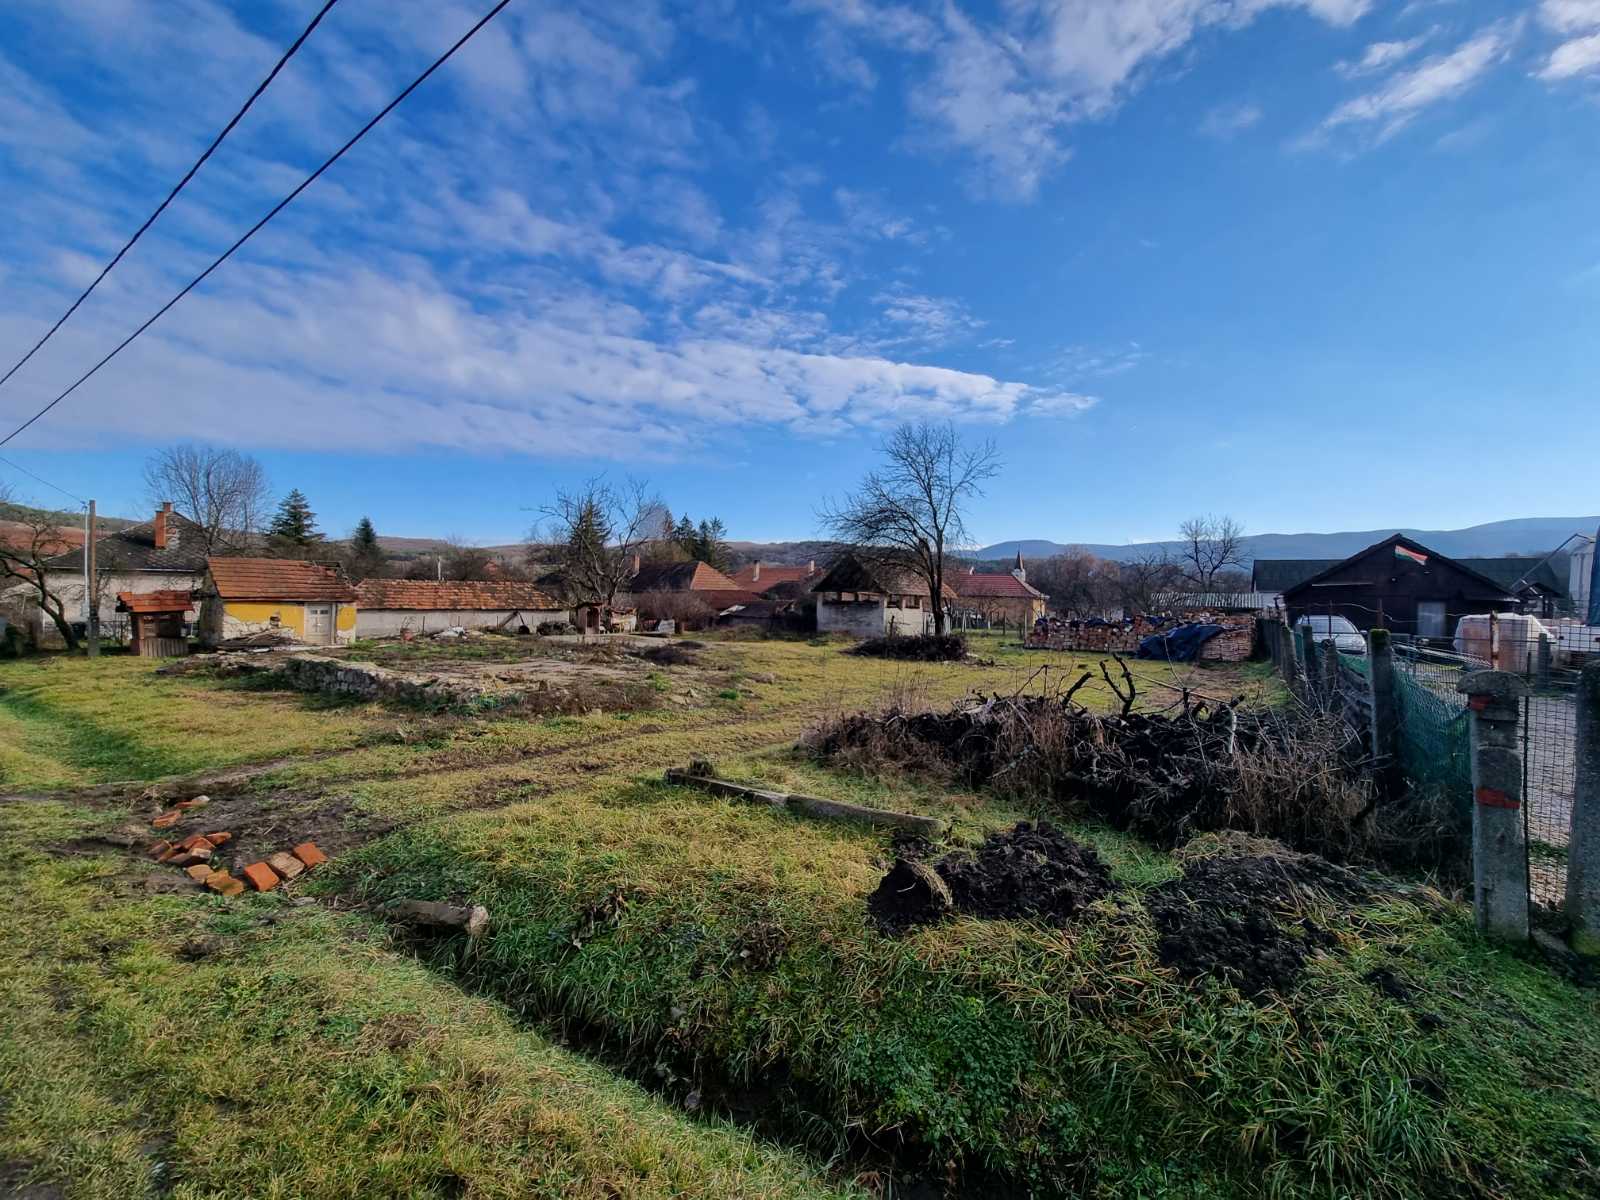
(43, 480)
(172, 195)
(276, 209)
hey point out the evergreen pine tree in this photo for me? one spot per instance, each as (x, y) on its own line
(711, 543)
(366, 558)
(294, 525)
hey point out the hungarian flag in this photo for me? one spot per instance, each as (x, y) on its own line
(1403, 552)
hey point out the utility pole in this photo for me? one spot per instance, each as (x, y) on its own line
(90, 578)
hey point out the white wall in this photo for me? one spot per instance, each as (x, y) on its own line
(392, 622)
(68, 585)
(1578, 580)
(871, 618)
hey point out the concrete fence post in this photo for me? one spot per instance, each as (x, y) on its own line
(1286, 654)
(1583, 849)
(1328, 668)
(1499, 847)
(1542, 662)
(1385, 729)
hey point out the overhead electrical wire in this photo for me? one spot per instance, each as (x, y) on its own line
(46, 482)
(275, 210)
(172, 195)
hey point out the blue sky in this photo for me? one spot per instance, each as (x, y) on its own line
(1321, 264)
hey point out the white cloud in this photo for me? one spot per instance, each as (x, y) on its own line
(1570, 16)
(1380, 56)
(1004, 92)
(1405, 95)
(1229, 120)
(1576, 57)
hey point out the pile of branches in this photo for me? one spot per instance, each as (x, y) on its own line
(1166, 776)
(922, 647)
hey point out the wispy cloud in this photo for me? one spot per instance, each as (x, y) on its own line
(1380, 56)
(1578, 55)
(1004, 92)
(1405, 95)
(1229, 120)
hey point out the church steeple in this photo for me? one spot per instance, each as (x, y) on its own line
(1020, 571)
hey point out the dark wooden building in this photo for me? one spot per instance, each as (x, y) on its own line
(1398, 584)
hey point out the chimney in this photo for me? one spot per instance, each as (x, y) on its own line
(755, 573)
(637, 563)
(972, 570)
(811, 566)
(161, 525)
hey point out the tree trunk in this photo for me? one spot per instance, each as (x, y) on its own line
(63, 626)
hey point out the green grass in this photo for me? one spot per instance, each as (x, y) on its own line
(67, 721)
(1045, 1055)
(300, 1056)
(715, 937)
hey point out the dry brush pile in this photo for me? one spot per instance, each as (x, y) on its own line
(1165, 776)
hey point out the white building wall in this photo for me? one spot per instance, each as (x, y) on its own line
(68, 585)
(392, 622)
(871, 618)
(1578, 581)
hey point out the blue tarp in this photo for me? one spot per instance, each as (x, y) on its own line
(1181, 644)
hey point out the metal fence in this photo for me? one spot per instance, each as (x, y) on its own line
(1549, 783)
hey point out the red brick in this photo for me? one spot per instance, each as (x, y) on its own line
(261, 877)
(200, 872)
(308, 853)
(286, 865)
(197, 802)
(159, 850)
(218, 838)
(168, 819)
(173, 855)
(221, 881)
(194, 839)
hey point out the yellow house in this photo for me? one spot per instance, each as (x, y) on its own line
(242, 596)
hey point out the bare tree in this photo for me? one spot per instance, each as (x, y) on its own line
(1078, 583)
(1211, 544)
(909, 512)
(594, 534)
(1139, 579)
(31, 537)
(222, 491)
(464, 561)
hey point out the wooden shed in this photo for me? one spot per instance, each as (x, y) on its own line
(156, 621)
(1402, 585)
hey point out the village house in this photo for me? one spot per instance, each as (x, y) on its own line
(1397, 583)
(392, 607)
(164, 554)
(689, 593)
(872, 599)
(762, 577)
(1006, 598)
(243, 596)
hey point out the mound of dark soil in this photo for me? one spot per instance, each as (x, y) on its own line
(928, 647)
(1241, 918)
(672, 654)
(1030, 871)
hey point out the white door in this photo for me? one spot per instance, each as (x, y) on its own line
(1430, 618)
(319, 624)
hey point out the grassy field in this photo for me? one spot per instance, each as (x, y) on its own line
(160, 1042)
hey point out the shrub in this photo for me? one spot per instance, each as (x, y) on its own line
(547, 628)
(924, 647)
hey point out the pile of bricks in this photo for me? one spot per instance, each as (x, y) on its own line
(194, 854)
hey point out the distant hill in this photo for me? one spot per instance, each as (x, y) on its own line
(1522, 535)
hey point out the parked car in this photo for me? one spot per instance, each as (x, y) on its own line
(1346, 637)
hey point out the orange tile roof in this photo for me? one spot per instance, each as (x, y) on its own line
(770, 576)
(1002, 586)
(427, 595)
(286, 579)
(170, 600)
(680, 577)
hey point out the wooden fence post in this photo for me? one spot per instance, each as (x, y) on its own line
(1308, 659)
(1499, 845)
(1286, 654)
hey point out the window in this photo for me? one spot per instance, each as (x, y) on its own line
(894, 601)
(913, 601)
